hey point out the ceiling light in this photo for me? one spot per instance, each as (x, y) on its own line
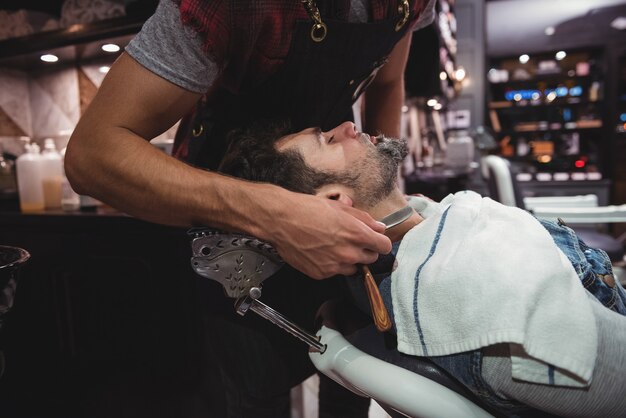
(619, 23)
(443, 76)
(49, 58)
(438, 106)
(524, 58)
(432, 102)
(560, 55)
(110, 47)
(550, 30)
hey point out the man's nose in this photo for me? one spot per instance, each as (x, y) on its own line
(345, 130)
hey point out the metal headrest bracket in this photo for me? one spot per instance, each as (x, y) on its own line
(238, 262)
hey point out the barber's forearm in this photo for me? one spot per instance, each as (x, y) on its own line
(136, 178)
(385, 96)
(383, 108)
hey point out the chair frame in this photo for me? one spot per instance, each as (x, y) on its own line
(403, 391)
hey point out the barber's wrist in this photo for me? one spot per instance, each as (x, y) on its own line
(262, 208)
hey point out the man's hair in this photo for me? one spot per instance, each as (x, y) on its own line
(252, 155)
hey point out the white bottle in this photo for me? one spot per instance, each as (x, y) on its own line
(29, 185)
(460, 150)
(52, 175)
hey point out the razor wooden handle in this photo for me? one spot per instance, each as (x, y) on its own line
(379, 311)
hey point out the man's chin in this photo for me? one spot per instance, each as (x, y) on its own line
(397, 149)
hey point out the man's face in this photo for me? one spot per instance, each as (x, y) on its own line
(365, 164)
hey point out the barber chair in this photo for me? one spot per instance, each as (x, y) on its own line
(347, 347)
(582, 213)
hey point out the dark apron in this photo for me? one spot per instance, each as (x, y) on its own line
(316, 86)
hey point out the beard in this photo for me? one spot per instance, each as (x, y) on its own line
(375, 176)
(391, 151)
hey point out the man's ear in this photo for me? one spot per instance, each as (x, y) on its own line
(335, 192)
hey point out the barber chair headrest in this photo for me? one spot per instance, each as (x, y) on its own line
(238, 262)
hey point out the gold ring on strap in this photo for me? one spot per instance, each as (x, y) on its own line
(196, 132)
(404, 9)
(319, 31)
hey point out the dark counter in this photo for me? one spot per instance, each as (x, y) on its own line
(106, 320)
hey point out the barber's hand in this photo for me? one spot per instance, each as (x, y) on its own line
(322, 237)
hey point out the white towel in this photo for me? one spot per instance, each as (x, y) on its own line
(475, 273)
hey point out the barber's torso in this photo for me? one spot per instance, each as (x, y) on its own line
(314, 84)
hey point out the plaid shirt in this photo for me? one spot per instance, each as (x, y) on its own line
(248, 39)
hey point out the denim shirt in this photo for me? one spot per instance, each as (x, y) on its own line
(592, 266)
(596, 275)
